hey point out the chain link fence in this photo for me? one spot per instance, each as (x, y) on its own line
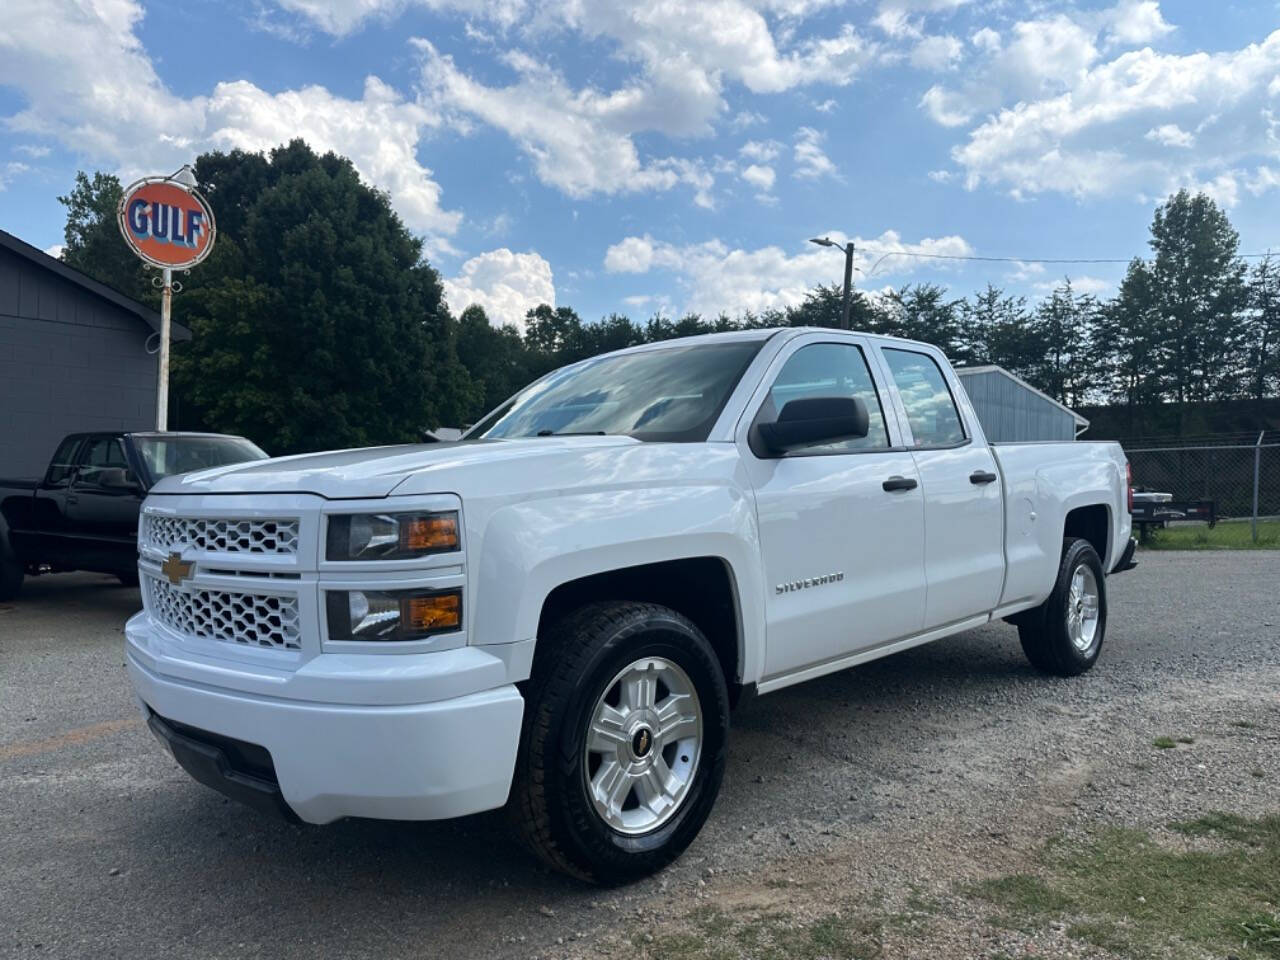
(1243, 480)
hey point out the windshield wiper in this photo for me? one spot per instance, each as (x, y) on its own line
(571, 433)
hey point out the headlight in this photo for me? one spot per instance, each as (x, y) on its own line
(392, 614)
(390, 536)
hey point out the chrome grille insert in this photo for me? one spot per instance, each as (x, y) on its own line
(252, 619)
(278, 537)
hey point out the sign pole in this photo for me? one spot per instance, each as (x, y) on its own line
(168, 224)
(162, 391)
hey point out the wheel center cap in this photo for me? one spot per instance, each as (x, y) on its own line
(642, 742)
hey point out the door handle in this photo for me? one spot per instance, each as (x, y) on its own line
(982, 476)
(899, 483)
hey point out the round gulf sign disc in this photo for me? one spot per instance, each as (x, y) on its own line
(166, 224)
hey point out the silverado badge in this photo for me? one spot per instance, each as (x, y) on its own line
(176, 569)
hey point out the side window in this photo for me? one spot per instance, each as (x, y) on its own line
(102, 452)
(64, 461)
(931, 410)
(832, 370)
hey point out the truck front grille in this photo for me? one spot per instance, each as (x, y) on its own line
(252, 619)
(278, 537)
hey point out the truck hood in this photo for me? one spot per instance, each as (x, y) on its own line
(373, 472)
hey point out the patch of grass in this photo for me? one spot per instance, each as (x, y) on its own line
(1244, 724)
(1164, 743)
(717, 935)
(1122, 891)
(1226, 535)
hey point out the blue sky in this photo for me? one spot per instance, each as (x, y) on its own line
(643, 155)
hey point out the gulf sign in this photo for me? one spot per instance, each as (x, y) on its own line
(166, 224)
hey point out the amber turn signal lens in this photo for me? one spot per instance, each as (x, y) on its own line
(432, 531)
(432, 613)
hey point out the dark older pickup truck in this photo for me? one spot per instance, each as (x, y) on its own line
(83, 515)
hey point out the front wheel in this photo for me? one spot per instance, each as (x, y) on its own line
(1063, 636)
(623, 746)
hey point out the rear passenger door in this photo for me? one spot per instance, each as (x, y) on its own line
(963, 504)
(843, 555)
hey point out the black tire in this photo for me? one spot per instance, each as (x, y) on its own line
(129, 579)
(1045, 631)
(11, 576)
(550, 805)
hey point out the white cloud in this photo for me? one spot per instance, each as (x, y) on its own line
(759, 176)
(763, 151)
(902, 18)
(946, 107)
(715, 277)
(812, 163)
(937, 53)
(826, 106)
(1133, 22)
(340, 17)
(1092, 139)
(578, 140)
(91, 85)
(55, 251)
(986, 40)
(9, 171)
(1171, 135)
(506, 284)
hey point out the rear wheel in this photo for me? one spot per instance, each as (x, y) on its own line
(11, 576)
(1063, 636)
(624, 740)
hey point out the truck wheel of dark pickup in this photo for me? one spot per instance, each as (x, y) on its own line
(11, 574)
(624, 739)
(1064, 635)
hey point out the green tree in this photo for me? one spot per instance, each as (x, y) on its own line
(1199, 299)
(998, 329)
(94, 245)
(823, 306)
(922, 311)
(317, 323)
(1264, 329)
(1063, 323)
(495, 357)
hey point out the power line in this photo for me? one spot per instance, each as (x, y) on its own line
(1064, 260)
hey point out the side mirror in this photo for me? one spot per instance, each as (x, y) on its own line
(117, 478)
(815, 420)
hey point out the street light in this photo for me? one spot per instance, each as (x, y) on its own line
(848, 273)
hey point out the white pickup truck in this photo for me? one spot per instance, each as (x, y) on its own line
(557, 613)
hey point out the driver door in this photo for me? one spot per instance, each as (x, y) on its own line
(843, 554)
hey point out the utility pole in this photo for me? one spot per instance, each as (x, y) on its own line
(848, 275)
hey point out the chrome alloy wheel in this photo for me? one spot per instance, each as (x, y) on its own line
(643, 745)
(1082, 608)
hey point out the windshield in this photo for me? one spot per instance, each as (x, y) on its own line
(672, 394)
(166, 456)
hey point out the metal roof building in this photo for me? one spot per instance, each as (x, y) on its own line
(1012, 411)
(73, 357)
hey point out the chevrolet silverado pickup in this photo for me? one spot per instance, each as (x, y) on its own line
(556, 613)
(83, 513)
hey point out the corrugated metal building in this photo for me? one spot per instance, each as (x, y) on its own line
(73, 357)
(1012, 411)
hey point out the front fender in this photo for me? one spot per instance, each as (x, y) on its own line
(527, 549)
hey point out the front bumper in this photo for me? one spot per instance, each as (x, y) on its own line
(403, 761)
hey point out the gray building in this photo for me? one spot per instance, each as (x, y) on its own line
(1012, 411)
(73, 357)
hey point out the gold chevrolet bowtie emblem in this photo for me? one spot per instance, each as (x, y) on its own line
(176, 569)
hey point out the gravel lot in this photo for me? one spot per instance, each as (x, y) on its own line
(896, 781)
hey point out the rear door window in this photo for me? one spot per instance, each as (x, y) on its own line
(931, 409)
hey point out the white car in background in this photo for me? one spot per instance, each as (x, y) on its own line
(557, 612)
